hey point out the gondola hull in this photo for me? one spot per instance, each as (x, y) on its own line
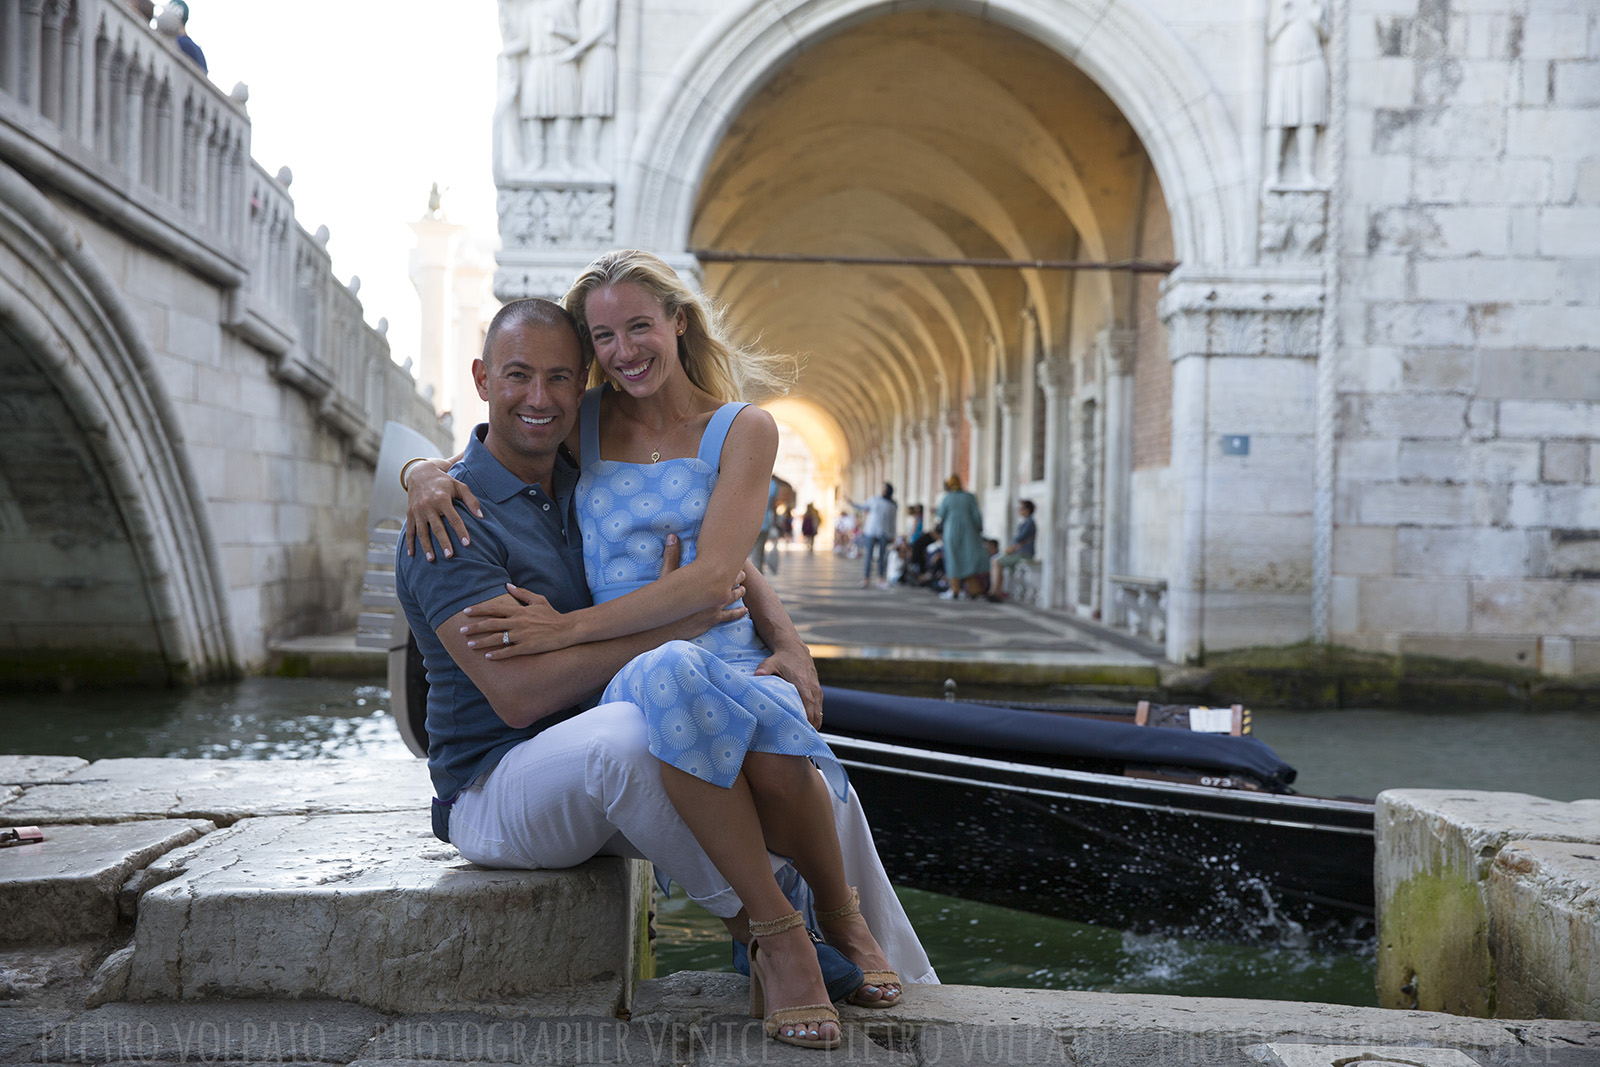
(1125, 852)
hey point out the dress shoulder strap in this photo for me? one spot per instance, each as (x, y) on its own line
(589, 427)
(717, 432)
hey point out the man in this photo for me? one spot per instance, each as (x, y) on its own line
(522, 779)
(174, 22)
(1020, 548)
(877, 530)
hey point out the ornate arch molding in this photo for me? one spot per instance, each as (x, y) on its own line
(1150, 75)
(69, 314)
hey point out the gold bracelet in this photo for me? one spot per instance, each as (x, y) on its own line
(406, 467)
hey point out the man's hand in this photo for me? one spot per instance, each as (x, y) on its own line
(430, 496)
(794, 665)
(691, 627)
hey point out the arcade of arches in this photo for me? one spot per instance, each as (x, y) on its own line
(1355, 409)
(931, 134)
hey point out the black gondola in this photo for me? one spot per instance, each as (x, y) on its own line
(1105, 822)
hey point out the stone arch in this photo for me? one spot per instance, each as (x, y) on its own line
(1159, 87)
(61, 308)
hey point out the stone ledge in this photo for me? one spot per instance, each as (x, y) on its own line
(37, 770)
(1436, 849)
(1544, 929)
(372, 909)
(65, 888)
(222, 791)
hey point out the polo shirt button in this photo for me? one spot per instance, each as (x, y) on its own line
(547, 507)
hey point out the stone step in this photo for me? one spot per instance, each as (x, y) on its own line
(222, 791)
(65, 888)
(372, 909)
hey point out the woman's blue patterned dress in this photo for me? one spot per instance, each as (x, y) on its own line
(703, 704)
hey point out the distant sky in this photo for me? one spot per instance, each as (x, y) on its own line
(368, 102)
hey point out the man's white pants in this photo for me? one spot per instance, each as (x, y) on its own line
(585, 787)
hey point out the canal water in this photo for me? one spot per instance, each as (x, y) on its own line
(1339, 752)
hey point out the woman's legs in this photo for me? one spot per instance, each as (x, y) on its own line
(725, 823)
(796, 815)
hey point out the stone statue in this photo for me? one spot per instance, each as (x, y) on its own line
(538, 39)
(1297, 92)
(435, 202)
(595, 52)
(596, 58)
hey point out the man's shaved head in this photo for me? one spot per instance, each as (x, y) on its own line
(532, 313)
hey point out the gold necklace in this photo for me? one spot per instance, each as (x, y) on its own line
(655, 457)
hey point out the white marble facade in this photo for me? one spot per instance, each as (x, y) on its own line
(1364, 406)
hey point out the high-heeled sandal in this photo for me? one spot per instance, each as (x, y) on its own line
(783, 1017)
(872, 980)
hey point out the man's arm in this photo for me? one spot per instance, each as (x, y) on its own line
(524, 689)
(790, 659)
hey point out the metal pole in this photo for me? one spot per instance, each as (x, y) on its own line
(1132, 266)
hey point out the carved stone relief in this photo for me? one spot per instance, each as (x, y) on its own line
(1294, 225)
(557, 87)
(555, 217)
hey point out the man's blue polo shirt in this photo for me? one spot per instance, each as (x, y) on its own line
(525, 537)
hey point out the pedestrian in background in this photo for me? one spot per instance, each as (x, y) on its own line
(877, 530)
(810, 522)
(965, 561)
(1020, 548)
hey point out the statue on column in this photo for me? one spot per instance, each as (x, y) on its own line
(595, 53)
(538, 36)
(1297, 91)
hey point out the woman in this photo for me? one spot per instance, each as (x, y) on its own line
(662, 452)
(965, 561)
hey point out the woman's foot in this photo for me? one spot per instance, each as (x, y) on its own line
(846, 930)
(786, 987)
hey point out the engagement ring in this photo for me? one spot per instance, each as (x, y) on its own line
(505, 637)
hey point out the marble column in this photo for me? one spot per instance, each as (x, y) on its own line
(1055, 379)
(1244, 367)
(1114, 352)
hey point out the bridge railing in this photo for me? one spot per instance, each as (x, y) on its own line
(96, 104)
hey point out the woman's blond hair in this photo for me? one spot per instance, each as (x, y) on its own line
(713, 362)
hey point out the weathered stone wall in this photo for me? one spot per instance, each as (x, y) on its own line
(1469, 421)
(1487, 903)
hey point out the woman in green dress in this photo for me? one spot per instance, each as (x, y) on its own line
(965, 561)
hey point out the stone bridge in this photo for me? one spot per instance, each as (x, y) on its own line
(190, 401)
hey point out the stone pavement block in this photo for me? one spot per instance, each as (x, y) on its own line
(238, 1031)
(120, 790)
(37, 770)
(1119, 1030)
(1544, 929)
(1279, 1054)
(372, 909)
(1435, 848)
(65, 887)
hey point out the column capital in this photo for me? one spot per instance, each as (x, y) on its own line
(1245, 313)
(1054, 377)
(974, 409)
(1009, 398)
(1116, 348)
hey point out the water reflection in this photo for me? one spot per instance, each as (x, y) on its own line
(979, 944)
(257, 718)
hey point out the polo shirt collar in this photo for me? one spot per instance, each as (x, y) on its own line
(497, 483)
